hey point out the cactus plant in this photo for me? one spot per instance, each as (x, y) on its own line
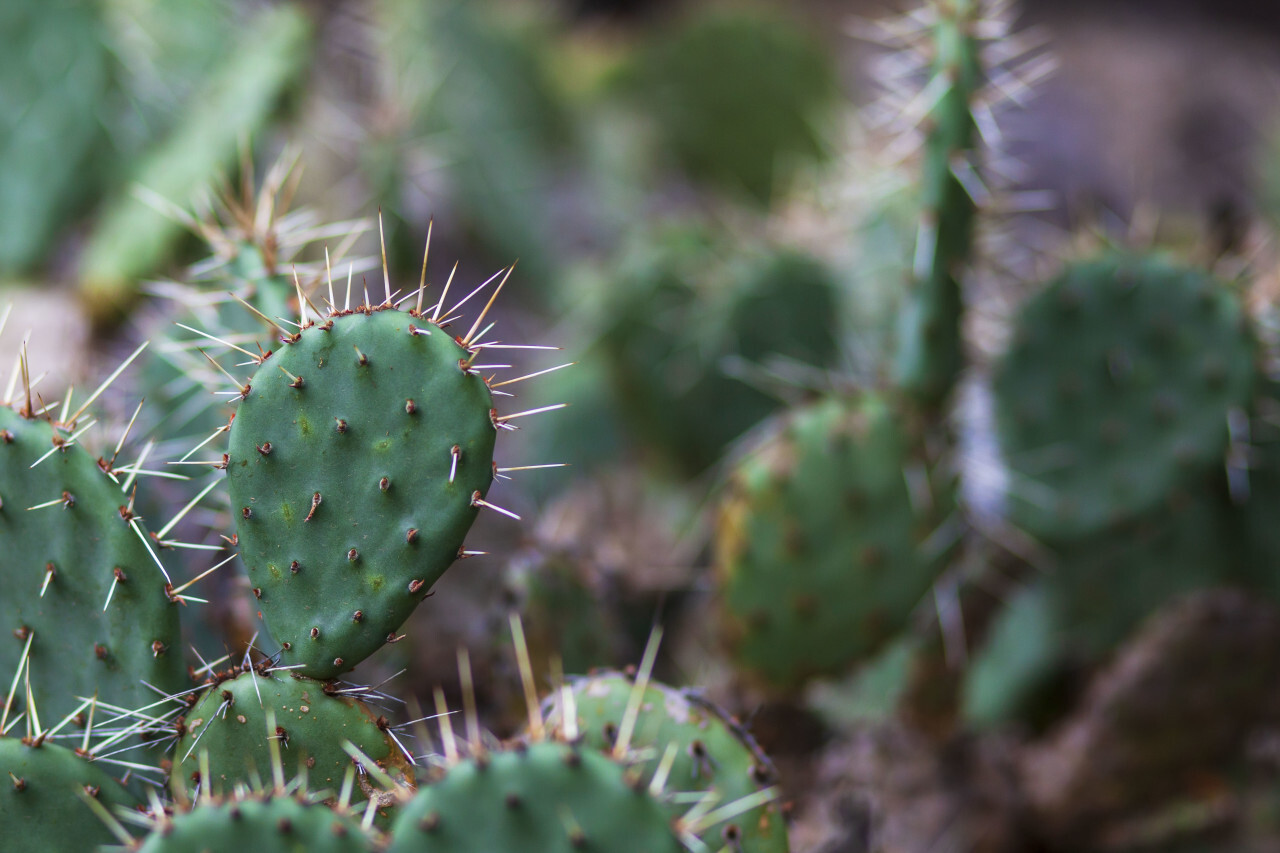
(683, 318)
(698, 746)
(359, 457)
(88, 601)
(226, 736)
(827, 539)
(1116, 392)
(49, 121)
(930, 352)
(269, 821)
(133, 238)
(547, 796)
(42, 809)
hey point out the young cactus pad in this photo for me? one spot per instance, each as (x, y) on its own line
(263, 823)
(1118, 385)
(825, 542)
(41, 810)
(549, 797)
(235, 721)
(85, 599)
(710, 754)
(359, 456)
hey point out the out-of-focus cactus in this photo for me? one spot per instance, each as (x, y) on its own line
(739, 99)
(54, 75)
(132, 238)
(829, 536)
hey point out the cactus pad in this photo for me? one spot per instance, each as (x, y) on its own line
(822, 545)
(40, 806)
(1117, 386)
(682, 318)
(712, 753)
(355, 459)
(232, 719)
(550, 797)
(62, 563)
(264, 824)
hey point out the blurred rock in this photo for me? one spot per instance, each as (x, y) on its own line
(1162, 722)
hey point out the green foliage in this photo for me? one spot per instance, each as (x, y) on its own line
(1115, 392)
(81, 587)
(355, 458)
(235, 721)
(711, 754)
(550, 797)
(54, 73)
(41, 806)
(825, 542)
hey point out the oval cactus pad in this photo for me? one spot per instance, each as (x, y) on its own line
(357, 457)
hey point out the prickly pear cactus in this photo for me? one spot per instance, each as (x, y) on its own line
(930, 351)
(710, 753)
(55, 71)
(828, 537)
(739, 98)
(267, 822)
(684, 319)
(40, 806)
(1116, 390)
(550, 797)
(86, 600)
(235, 720)
(358, 455)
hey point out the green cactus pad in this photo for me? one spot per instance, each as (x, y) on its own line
(41, 810)
(263, 824)
(1116, 388)
(82, 544)
(682, 318)
(230, 723)
(549, 797)
(354, 462)
(713, 753)
(822, 545)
